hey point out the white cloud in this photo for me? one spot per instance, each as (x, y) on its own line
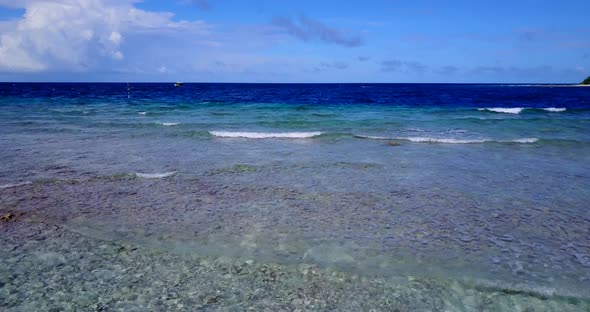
(115, 37)
(78, 35)
(162, 69)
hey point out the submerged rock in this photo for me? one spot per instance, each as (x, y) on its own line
(506, 238)
(7, 217)
(466, 238)
(237, 168)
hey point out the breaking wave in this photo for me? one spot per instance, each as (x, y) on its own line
(555, 109)
(503, 110)
(155, 175)
(265, 135)
(11, 185)
(518, 110)
(447, 140)
(466, 141)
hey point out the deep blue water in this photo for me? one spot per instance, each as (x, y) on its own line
(439, 95)
(489, 183)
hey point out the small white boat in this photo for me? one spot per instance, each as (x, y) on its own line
(178, 84)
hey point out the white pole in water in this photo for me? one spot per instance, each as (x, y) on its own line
(128, 91)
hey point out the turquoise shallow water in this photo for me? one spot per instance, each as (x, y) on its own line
(487, 184)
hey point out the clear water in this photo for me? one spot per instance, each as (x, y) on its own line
(488, 184)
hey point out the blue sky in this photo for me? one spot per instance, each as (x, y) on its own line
(294, 41)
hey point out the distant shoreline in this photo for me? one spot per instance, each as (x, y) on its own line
(561, 85)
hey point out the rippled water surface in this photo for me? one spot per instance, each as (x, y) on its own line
(487, 184)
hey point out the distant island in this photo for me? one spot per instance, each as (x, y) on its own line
(586, 81)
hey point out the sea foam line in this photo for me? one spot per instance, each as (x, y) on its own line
(265, 135)
(466, 141)
(555, 109)
(504, 110)
(441, 140)
(11, 185)
(518, 110)
(447, 140)
(169, 124)
(523, 140)
(155, 175)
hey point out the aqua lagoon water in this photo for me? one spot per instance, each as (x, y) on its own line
(488, 184)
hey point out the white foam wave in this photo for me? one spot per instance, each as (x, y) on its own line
(441, 140)
(265, 135)
(11, 185)
(518, 110)
(155, 175)
(555, 109)
(465, 141)
(503, 110)
(525, 140)
(142, 113)
(169, 124)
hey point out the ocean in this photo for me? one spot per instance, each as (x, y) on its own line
(483, 185)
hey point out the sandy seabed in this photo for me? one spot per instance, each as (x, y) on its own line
(48, 267)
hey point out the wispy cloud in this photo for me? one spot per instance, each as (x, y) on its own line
(391, 65)
(530, 34)
(201, 4)
(512, 72)
(332, 65)
(403, 66)
(422, 38)
(308, 29)
(448, 70)
(13, 3)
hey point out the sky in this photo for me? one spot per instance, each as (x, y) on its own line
(295, 41)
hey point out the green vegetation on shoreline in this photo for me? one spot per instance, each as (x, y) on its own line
(586, 81)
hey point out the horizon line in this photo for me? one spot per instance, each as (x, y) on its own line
(213, 82)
